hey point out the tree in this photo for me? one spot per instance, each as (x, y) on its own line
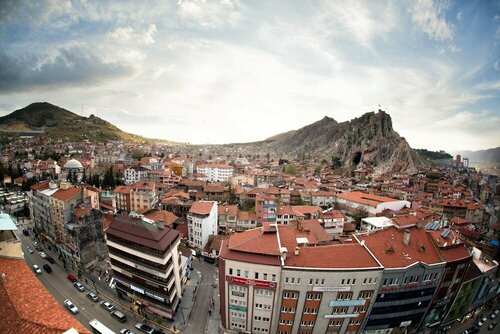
(336, 162)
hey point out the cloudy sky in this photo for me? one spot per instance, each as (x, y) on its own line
(235, 71)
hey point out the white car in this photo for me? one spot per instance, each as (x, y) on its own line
(71, 306)
(29, 249)
(43, 255)
(126, 331)
(37, 269)
(108, 306)
(482, 321)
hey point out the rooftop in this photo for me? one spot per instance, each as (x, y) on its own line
(388, 247)
(201, 208)
(363, 198)
(27, 307)
(142, 232)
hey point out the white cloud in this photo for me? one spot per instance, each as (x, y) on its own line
(361, 20)
(429, 16)
(128, 34)
(209, 14)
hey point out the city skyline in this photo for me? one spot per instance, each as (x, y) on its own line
(231, 71)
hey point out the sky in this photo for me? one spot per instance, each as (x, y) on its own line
(228, 71)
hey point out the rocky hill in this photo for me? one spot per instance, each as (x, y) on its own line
(59, 123)
(369, 140)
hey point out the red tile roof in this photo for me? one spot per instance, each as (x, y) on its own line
(363, 198)
(342, 256)
(314, 226)
(66, 194)
(227, 209)
(27, 307)
(387, 246)
(122, 189)
(167, 217)
(40, 186)
(201, 208)
(307, 209)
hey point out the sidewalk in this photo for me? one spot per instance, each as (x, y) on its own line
(183, 314)
(213, 322)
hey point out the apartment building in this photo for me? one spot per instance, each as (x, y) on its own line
(413, 269)
(279, 279)
(202, 222)
(214, 172)
(143, 196)
(265, 208)
(136, 174)
(146, 264)
(122, 194)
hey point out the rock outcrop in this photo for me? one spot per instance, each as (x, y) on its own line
(368, 140)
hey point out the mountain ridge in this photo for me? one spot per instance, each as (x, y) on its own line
(60, 123)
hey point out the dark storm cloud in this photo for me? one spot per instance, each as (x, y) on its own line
(71, 67)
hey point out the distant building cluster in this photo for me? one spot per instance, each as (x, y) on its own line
(301, 246)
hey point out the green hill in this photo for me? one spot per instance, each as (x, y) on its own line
(59, 123)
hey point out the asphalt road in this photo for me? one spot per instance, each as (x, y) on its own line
(199, 313)
(61, 288)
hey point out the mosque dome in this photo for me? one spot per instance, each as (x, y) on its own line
(73, 163)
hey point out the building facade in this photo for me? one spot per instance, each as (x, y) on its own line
(202, 222)
(146, 264)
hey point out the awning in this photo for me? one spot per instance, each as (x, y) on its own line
(165, 314)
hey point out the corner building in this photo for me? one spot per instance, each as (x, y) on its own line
(279, 279)
(146, 264)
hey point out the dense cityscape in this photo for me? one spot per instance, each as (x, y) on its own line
(249, 167)
(205, 239)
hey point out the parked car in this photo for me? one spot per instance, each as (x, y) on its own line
(29, 249)
(144, 328)
(39, 248)
(482, 321)
(43, 255)
(37, 269)
(72, 277)
(79, 286)
(93, 296)
(492, 325)
(126, 331)
(25, 232)
(108, 306)
(35, 243)
(71, 306)
(47, 268)
(50, 259)
(119, 316)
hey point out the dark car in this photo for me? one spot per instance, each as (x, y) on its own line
(25, 232)
(39, 248)
(50, 259)
(72, 278)
(47, 268)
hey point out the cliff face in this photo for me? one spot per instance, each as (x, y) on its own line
(369, 139)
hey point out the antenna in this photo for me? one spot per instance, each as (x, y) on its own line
(81, 112)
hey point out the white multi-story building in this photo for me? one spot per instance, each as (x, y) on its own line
(215, 172)
(202, 222)
(135, 174)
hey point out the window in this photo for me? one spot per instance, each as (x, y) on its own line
(246, 273)
(257, 276)
(286, 280)
(238, 272)
(265, 276)
(323, 281)
(365, 294)
(273, 278)
(344, 296)
(335, 322)
(310, 281)
(230, 271)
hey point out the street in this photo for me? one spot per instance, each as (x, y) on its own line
(61, 288)
(57, 283)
